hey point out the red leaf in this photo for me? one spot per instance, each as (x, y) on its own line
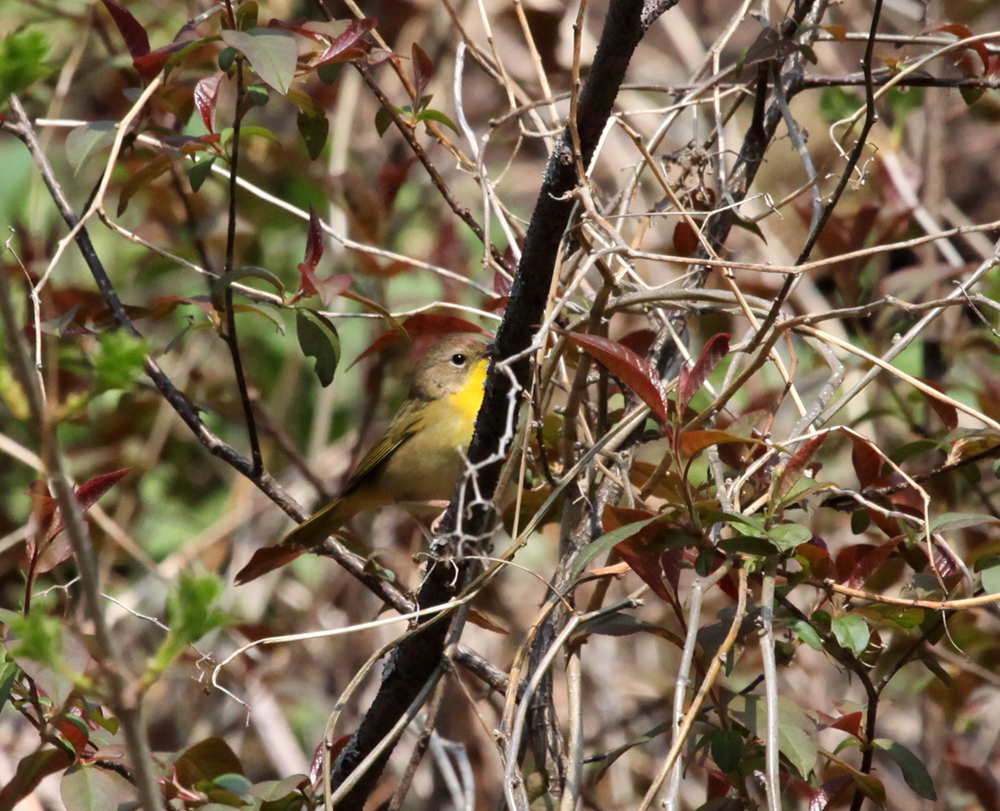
(947, 412)
(867, 462)
(73, 735)
(346, 41)
(685, 239)
(868, 563)
(690, 381)
(314, 241)
(634, 371)
(849, 723)
(301, 30)
(796, 467)
(639, 341)
(423, 69)
(150, 64)
(206, 94)
(88, 494)
(416, 326)
(327, 289)
(136, 39)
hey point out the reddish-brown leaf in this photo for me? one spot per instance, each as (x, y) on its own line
(347, 41)
(314, 241)
(206, 94)
(423, 69)
(692, 380)
(88, 494)
(947, 412)
(867, 462)
(327, 289)
(634, 371)
(963, 32)
(685, 239)
(838, 32)
(796, 467)
(135, 36)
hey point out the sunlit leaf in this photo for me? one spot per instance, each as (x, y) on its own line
(851, 631)
(634, 371)
(272, 54)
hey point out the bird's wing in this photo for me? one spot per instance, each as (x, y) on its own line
(407, 422)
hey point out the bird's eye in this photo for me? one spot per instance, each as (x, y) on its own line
(458, 359)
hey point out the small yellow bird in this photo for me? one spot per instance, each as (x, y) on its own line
(417, 459)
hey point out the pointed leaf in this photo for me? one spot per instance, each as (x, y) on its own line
(235, 275)
(318, 339)
(914, 772)
(135, 36)
(694, 442)
(946, 411)
(605, 543)
(795, 467)
(692, 380)
(206, 94)
(87, 139)
(272, 54)
(149, 172)
(314, 129)
(632, 370)
(346, 41)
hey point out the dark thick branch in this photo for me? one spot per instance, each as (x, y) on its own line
(418, 655)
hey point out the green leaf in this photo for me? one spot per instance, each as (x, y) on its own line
(258, 94)
(87, 787)
(21, 56)
(272, 54)
(727, 749)
(604, 543)
(226, 58)
(914, 772)
(85, 140)
(952, 521)
(35, 635)
(8, 673)
(314, 129)
(119, 363)
(787, 536)
(806, 633)
(226, 135)
(991, 579)
(198, 173)
(235, 784)
(796, 731)
(319, 339)
(851, 631)
(189, 607)
(437, 115)
(748, 545)
(836, 104)
(383, 120)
